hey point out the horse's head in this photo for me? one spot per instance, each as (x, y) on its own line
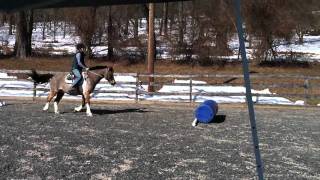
(109, 76)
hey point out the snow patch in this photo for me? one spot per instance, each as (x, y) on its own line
(299, 102)
(177, 81)
(125, 91)
(5, 76)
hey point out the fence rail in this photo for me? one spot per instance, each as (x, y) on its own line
(306, 87)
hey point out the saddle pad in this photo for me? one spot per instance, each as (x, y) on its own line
(68, 78)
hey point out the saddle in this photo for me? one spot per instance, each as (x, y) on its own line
(70, 77)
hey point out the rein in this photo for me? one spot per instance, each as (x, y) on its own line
(96, 74)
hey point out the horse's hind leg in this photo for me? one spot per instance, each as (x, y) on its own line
(79, 108)
(57, 100)
(49, 98)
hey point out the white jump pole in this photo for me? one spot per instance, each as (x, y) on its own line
(246, 75)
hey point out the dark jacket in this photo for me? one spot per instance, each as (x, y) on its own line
(78, 61)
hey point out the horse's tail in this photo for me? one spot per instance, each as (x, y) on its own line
(40, 78)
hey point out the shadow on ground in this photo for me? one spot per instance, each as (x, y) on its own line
(117, 111)
(219, 119)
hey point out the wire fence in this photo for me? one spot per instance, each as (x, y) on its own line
(293, 87)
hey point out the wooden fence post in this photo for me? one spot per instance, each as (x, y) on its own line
(306, 90)
(34, 91)
(151, 47)
(137, 87)
(190, 97)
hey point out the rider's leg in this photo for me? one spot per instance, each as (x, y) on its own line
(74, 87)
(49, 98)
(77, 78)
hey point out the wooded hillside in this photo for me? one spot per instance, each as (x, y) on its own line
(194, 31)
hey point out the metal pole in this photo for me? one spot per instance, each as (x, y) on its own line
(246, 75)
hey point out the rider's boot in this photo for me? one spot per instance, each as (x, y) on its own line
(74, 90)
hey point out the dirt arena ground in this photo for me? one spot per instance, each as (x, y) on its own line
(130, 141)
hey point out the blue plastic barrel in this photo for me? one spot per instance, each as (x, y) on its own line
(206, 111)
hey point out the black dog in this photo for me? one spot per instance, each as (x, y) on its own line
(39, 78)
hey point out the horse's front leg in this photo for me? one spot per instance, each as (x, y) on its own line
(49, 98)
(79, 108)
(87, 102)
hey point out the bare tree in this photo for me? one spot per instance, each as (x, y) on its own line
(84, 20)
(164, 20)
(110, 34)
(151, 47)
(11, 23)
(23, 34)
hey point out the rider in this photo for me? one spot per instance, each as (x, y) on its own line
(77, 66)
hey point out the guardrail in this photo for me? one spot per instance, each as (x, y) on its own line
(287, 85)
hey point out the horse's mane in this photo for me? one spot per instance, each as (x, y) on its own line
(98, 67)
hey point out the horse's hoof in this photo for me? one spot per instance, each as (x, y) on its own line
(57, 112)
(195, 123)
(77, 109)
(89, 114)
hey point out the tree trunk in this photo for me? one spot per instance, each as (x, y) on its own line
(171, 22)
(126, 28)
(29, 32)
(250, 41)
(270, 44)
(110, 35)
(2, 19)
(299, 32)
(88, 42)
(146, 13)
(11, 24)
(161, 27)
(165, 19)
(181, 23)
(43, 30)
(222, 42)
(24, 33)
(136, 28)
(50, 25)
(54, 30)
(100, 34)
(151, 47)
(64, 29)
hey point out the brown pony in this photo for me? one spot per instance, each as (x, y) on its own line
(58, 85)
